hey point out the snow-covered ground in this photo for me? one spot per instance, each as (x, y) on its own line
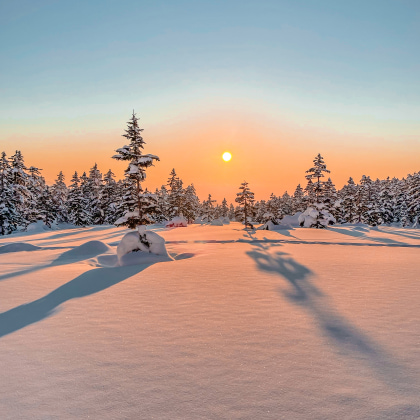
(288, 324)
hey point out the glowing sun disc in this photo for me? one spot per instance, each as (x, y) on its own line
(227, 156)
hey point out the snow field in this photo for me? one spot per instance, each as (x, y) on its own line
(295, 324)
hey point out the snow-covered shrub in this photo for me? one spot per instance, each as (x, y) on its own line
(142, 242)
(216, 222)
(289, 220)
(39, 226)
(316, 217)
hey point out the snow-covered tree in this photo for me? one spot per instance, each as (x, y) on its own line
(191, 204)
(298, 200)
(224, 209)
(59, 195)
(108, 198)
(207, 209)
(10, 218)
(93, 195)
(76, 203)
(317, 214)
(245, 199)
(135, 174)
(315, 174)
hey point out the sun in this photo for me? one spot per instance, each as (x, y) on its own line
(227, 156)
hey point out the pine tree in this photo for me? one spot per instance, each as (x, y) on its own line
(404, 219)
(413, 192)
(191, 204)
(136, 174)
(245, 199)
(59, 195)
(9, 216)
(208, 209)
(108, 198)
(47, 208)
(298, 200)
(164, 205)
(231, 213)
(317, 214)
(386, 203)
(18, 185)
(349, 201)
(224, 211)
(316, 173)
(36, 187)
(176, 198)
(76, 203)
(93, 195)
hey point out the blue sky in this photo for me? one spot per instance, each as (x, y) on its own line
(359, 56)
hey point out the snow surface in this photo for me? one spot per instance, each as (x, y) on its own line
(293, 324)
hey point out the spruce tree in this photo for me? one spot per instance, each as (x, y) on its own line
(9, 216)
(245, 199)
(76, 203)
(315, 174)
(207, 209)
(135, 174)
(191, 204)
(93, 195)
(59, 195)
(108, 197)
(298, 200)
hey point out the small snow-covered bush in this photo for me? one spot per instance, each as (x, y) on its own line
(316, 217)
(144, 243)
(272, 226)
(39, 226)
(289, 220)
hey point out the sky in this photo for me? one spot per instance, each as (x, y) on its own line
(273, 82)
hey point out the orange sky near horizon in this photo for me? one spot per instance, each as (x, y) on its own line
(271, 154)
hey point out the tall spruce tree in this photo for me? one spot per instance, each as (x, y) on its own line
(135, 174)
(59, 195)
(245, 199)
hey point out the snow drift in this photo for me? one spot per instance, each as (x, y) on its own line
(133, 250)
(18, 247)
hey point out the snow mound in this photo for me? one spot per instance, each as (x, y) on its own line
(272, 226)
(177, 222)
(291, 220)
(18, 247)
(87, 250)
(38, 226)
(131, 250)
(225, 220)
(216, 222)
(316, 217)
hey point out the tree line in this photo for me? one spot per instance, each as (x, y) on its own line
(94, 198)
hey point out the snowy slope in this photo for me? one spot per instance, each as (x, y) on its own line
(294, 324)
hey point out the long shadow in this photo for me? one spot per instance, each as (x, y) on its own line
(362, 235)
(76, 254)
(409, 235)
(346, 338)
(88, 283)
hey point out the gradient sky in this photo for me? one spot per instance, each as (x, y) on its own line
(274, 82)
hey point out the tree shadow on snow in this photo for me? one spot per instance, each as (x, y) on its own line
(347, 339)
(88, 283)
(362, 235)
(77, 254)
